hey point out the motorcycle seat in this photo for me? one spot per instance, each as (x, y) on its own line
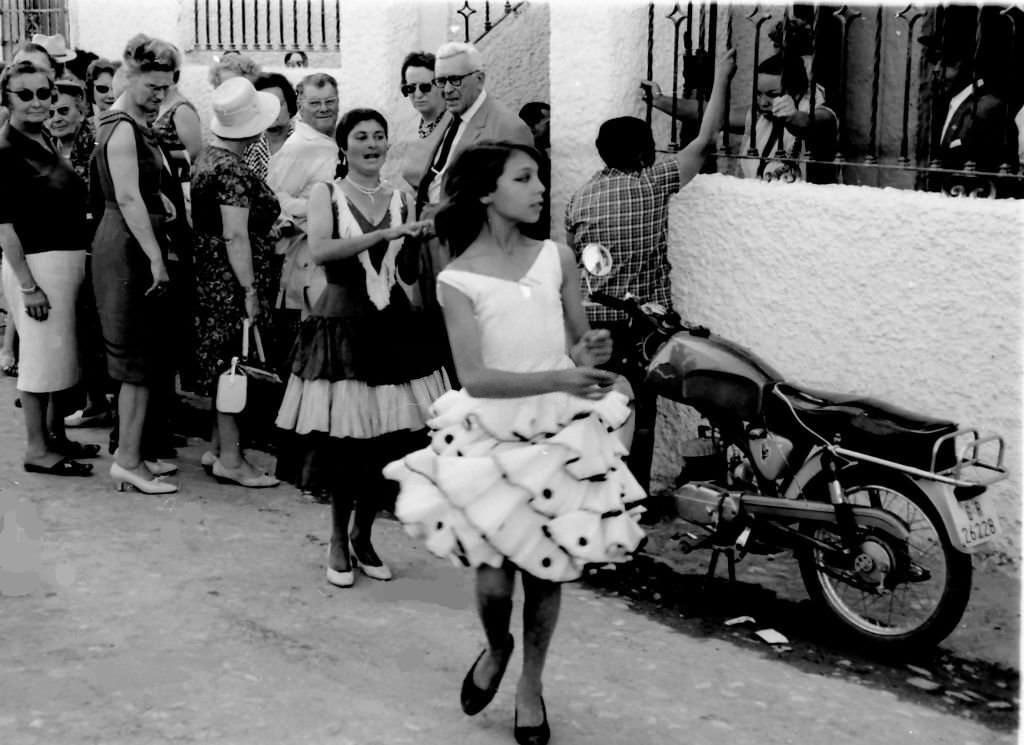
(870, 425)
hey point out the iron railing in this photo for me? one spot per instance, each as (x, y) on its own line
(21, 19)
(265, 25)
(480, 18)
(863, 154)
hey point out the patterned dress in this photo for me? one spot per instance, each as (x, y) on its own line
(219, 177)
(538, 481)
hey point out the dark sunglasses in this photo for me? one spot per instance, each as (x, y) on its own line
(60, 111)
(454, 80)
(43, 94)
(409, 88)
(103, 89)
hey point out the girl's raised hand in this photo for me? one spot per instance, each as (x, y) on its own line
(586, 382)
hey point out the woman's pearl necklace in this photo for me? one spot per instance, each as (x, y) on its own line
(363, 190)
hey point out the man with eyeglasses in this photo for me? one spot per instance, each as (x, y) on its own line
(475, 116)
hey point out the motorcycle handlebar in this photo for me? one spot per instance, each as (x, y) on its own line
(631, 307)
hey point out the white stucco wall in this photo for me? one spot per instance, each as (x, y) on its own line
(516, 56)
(910, 297)
(103, 26)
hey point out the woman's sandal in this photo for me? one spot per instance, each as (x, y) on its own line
(72, 449)
(63, 467)
(474, 699)
(374, 571)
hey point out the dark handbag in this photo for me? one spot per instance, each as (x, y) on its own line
(265, 389)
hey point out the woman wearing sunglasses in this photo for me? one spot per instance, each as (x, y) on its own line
(99, 85)
(418, 87)
(42, 235)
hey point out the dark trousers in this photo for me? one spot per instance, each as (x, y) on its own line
(645, 403)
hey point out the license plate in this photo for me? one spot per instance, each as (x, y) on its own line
(976, 521)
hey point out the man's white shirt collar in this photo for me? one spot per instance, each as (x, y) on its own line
(954, 104)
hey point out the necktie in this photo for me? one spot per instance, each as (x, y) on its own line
(438, 163)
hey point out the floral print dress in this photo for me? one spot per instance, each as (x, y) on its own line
(220, 177)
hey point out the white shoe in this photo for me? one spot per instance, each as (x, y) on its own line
(160, 468)
(207, 460)
(340, 579)
(224, 476)
(124, 478)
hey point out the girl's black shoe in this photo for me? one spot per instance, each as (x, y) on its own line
(538, 735)
(474, 699)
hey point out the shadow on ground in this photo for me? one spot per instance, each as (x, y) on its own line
(674, 593)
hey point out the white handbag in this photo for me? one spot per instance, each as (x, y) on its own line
(232, 386)
(233, 383)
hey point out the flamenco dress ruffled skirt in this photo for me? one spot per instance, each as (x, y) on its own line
(539, 482)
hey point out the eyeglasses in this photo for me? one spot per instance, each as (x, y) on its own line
(42, 94)
(409, 88)
(101, 89)
(60, 111)
(454, 80)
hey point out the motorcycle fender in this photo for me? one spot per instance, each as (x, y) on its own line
(941, 495)
(938, 494)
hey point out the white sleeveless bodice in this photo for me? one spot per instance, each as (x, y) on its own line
(522, 327)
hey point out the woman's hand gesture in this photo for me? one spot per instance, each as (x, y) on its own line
(160, 277)
(586, 382)
(410, 229)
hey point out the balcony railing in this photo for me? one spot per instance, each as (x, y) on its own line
(480, 18)
(21, 19)
(876, 80)
(265, 25)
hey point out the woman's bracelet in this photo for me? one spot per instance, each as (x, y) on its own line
(30, 290)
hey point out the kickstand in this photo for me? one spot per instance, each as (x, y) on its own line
(730, 556)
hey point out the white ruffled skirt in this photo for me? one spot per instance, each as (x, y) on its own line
(539, 482)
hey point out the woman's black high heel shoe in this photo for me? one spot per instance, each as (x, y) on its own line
(474, 699)
(538, 735)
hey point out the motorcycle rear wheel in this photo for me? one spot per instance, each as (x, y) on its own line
(931, 580)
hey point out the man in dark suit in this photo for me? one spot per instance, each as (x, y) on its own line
(976, 123)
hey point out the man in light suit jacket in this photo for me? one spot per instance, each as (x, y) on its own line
(475, 115)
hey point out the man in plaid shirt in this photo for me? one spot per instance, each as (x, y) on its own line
(624, 207)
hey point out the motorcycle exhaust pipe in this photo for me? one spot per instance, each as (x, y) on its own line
(711, 506)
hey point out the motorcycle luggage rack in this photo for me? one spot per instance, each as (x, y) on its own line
(969, 458)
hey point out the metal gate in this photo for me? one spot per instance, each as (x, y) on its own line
(21, 19)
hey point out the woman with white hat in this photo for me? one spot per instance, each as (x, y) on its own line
(232, 213)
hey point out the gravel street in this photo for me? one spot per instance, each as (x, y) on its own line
(204, 617)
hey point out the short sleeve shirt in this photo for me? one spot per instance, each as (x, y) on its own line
(627, 212)
(40, 195)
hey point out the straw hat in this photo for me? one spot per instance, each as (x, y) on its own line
(56, 46)
(240, 111)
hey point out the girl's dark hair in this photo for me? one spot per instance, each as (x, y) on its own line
(349, 120)
(474, 174)
(277, 80)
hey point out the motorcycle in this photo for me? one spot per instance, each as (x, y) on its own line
(881, 507)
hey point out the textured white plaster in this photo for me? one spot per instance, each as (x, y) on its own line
(103, 26)
(516, 56)
(910, 297)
